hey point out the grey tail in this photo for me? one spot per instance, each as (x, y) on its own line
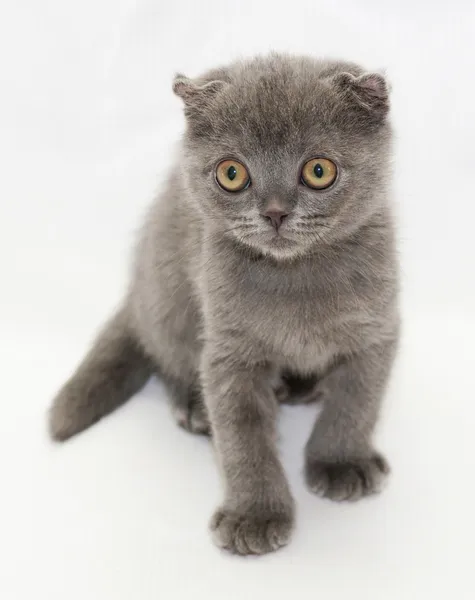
(114, 370)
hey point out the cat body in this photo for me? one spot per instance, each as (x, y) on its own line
(281, 289)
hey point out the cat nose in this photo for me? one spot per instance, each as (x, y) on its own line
(275, 216)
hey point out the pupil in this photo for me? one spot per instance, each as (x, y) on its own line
(318, 170)
(232, 173)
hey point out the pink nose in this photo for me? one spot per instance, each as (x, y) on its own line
(276, 217)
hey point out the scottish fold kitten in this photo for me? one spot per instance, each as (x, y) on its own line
(265, 273)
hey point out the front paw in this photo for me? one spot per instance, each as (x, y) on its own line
(251, 532)
(349, 480)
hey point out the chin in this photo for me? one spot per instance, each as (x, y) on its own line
(278, 247)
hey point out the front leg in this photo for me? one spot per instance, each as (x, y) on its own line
(257, 513)
(340, 462)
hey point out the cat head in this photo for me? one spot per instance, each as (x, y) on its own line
(286, 154)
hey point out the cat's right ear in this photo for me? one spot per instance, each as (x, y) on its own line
(196, 96)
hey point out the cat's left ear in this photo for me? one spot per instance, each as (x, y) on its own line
(195, 95)
(369, 92)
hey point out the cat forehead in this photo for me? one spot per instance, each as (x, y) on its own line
(283, 101)
(272, 111)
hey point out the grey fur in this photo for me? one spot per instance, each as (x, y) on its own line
(233, 316)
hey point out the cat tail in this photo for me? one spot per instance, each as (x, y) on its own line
(114, 370)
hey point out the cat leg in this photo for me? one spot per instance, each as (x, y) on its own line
(340, 461)
(187, 406)
(114, 370)
(179, 364)
(258, 511)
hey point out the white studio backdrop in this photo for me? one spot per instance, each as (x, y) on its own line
(88, 128)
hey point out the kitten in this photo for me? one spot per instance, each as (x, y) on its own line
(266, 272)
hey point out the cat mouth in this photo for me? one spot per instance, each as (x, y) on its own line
(279, 239)
(271, 240)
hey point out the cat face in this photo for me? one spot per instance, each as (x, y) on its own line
(285, 155)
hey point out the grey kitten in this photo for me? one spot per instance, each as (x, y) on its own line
(266, 272)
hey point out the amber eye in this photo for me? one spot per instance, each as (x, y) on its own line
(232, 176)
(319, 173)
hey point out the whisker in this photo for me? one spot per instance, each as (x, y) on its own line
(314, 217)
(242, 219)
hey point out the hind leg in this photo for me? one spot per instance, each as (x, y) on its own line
(188, 407)
(171, 335)
(177, 372)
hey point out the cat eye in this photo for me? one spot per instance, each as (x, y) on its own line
(319, 173)
(232, 176)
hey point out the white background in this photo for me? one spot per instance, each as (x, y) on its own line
(88, 123)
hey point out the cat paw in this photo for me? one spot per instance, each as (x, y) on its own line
(193, 417)
(283, 395)
(242, 533)
(347, 480)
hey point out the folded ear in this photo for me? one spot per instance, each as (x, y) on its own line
(193, 94)
(369, 92)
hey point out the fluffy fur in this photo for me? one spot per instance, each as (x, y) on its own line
(236, 317)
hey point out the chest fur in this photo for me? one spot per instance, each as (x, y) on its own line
(298, 331)
(300, 328)
(303, 314)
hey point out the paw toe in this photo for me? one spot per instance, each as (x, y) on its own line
(347, 480)
(246, 534)
(193, 418)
